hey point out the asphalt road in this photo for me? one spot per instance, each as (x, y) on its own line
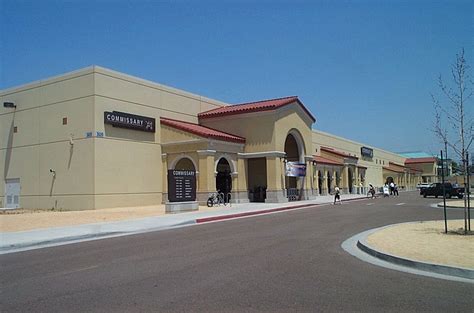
(286, 262)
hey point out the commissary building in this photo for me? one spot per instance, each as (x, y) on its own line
(96, 138)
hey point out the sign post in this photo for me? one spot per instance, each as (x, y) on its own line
(181, 191)
(181, 185)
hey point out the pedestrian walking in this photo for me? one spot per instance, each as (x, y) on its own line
(386, 191)
(395, 190)
(392, 188)
(372, 191)
(337, 195)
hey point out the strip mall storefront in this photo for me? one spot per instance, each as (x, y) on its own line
(96, 138)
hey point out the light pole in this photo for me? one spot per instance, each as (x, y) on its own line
(444, 194)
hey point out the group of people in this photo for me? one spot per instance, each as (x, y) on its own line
(390, 189)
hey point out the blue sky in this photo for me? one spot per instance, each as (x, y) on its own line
(365, 69)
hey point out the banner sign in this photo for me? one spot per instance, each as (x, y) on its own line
(181, 185)
(367, 152)
(295, 169)
(126, 120)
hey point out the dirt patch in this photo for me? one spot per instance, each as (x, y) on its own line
(22, 220)
(427, 242)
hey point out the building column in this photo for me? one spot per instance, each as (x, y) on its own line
(239, 183)
(164, 162)
(275, 189)
(357, 187)
(317, 192)
(345, 180)
(207, 176)
(308, 187)
(324, 190)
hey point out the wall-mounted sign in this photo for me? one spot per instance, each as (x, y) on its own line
(181, 185)
(295, 169)
(367, 152)
(126, 120)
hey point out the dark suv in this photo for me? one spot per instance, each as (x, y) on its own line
(436, 190)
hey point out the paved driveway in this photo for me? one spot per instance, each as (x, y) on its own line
(286, 262)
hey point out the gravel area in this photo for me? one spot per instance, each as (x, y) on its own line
(13, 221)
(427, 242)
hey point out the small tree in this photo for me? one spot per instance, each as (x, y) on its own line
(453, 112)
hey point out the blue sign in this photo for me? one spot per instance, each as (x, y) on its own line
(295, 169)
(367, 152)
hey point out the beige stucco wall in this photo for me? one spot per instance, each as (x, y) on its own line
(257, 129)
(42, 142)
(293, 118)
(123, 168)
(381, 158)
(428, 169)
(264, 131)
(137, 155)
(100, 166)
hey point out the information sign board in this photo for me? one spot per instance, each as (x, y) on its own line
(181, 185)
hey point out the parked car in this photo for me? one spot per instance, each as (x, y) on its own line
(423, 186)
(436, 190)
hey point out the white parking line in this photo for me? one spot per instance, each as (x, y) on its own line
(369, 203)
(400, 203)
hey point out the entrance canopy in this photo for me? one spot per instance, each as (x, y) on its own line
(201, 131)
(258, 106)
(256, 140)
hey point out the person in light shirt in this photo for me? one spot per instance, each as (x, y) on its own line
(337, 195)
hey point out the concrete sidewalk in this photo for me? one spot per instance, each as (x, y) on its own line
(38, 238)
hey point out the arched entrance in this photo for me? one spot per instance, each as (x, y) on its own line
(223, 178)
(292, 155)
(389, 180)
(294, 151)
(349, 179)
(185, 164)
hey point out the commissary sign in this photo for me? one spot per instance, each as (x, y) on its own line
(367, 152)
(126, 120)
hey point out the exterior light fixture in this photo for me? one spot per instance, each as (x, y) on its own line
(9, 105)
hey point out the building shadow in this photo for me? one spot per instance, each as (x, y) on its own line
(9, 148)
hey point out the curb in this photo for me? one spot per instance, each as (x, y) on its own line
(13, 247)
(17, 247)
(441, 205)
(244, 214)
(418, 265)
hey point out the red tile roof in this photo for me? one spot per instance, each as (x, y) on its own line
(393, 169)
(321, 160)
(340, 153)
(420, 160)
(396, 164)
(258, 106)
(201, 130)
